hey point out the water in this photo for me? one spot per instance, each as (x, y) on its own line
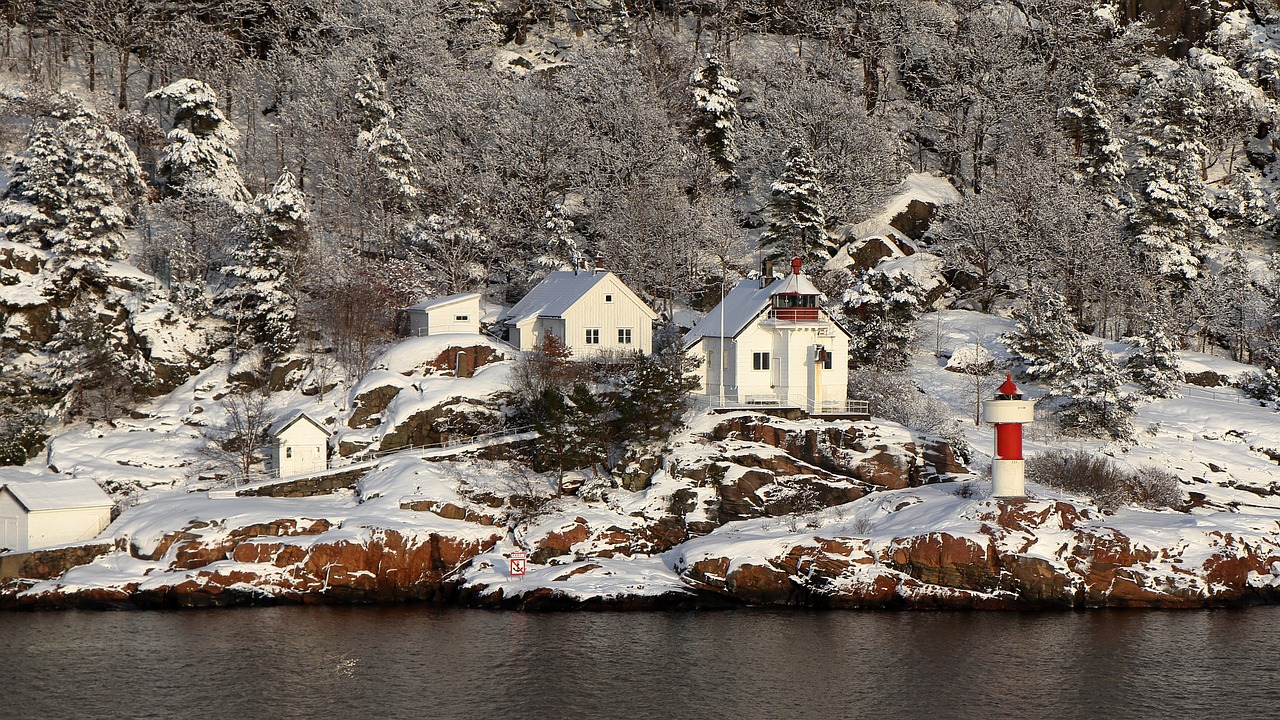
(416, 662)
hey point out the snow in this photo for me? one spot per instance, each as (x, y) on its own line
(925, 187)
(430, 304)
(54, 494)
(552, 297)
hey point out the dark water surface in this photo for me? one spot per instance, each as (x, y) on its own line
(415, 662)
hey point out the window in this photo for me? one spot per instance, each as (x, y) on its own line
(624, 336)
(822, 357)
(760, 361)
(288, 452)
(461, 318)
(593, 336)
(608, 298)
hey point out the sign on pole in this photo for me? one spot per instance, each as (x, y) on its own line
(517, 560)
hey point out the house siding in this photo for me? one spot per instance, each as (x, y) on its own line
(310, 447)
(593, 312)
(56, 527)
(443, 320)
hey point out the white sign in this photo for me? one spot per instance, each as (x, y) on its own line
(517, 564)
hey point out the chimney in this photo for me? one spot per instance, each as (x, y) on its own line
(599, 264)
(766, 273)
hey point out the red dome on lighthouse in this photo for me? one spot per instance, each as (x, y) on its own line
(1008, 388)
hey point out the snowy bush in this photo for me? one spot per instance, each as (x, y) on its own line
(1107, 483)
(1262, 385)
(895, 396)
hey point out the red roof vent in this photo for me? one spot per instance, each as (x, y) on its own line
(1009, 388)
(795, 266)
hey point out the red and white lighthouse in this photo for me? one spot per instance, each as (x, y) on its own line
(1008, 412)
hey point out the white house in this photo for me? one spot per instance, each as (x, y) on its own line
(458, 313)
(590, 311)
(300, 445)
(769, 342)
(36, 514)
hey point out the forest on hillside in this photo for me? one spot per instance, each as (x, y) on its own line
(280, 177)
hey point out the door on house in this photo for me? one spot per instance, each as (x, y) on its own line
(9, 533)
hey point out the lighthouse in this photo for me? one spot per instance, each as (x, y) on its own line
(1008, 411)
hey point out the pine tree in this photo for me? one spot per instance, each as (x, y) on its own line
(1154, 362)
(1045, 340)
(1087, 120)
(1097, 405)
(261, 305)
(386, 152)
(73, 188)
(200, 160)
(655, 393)
(881, 308)
(715, 119)
(1171, 219)
(797, 222)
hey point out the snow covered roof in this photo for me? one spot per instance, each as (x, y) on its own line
(286, 422)
(433, 303)
(560, 291)
(62, 494)
(744, 303)
(794, 284)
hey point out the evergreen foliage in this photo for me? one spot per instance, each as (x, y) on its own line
(1045, 340)
(200, 159)
(1154, 362)
(716, 119)
(797, 221)
(261, 304)
(1170, 218)
(1096, 405)
(655, 394)
(880, 308)
(73, 189)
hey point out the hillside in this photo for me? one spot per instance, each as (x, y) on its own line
(215, 216)
(738, 508)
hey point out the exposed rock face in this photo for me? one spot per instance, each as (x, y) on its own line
(458, 418)
(1000, 567)
(464, 361)
(286, 566)
(367, 407)
(45, 564)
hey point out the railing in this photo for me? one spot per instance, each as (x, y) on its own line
(752, 402)
(794, 314)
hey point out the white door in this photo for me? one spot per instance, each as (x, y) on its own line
(9, 533)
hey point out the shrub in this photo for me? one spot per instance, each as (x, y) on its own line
(1107, 483)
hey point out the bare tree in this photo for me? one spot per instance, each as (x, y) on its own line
(236, 443)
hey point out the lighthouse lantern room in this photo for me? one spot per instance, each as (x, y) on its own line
(1008, 412)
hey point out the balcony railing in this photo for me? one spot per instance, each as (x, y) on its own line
(799, 314)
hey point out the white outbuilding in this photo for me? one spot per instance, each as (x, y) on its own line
(36, 513)
(458, 313)
(590, 311)
(771, 343)
(300, 445)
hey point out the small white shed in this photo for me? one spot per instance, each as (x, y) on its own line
(301, 445)
(35, 513)
(458, 313)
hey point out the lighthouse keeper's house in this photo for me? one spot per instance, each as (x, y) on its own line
(769, 342)
(590, 311)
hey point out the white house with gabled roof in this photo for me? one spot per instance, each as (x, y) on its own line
(42, 513)
(590, 311)
(300, 445)
(770, 342)
(457, 313)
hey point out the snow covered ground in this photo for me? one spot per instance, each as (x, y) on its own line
(1219, 444)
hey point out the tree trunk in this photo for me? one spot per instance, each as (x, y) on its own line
(124, 78)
